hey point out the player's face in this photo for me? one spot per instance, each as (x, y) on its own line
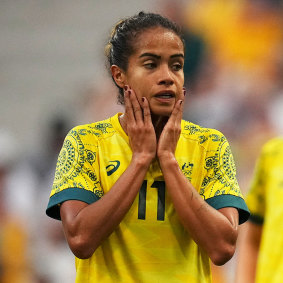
(155, 70)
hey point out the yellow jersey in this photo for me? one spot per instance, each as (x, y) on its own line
(150, 244)
(265, 201)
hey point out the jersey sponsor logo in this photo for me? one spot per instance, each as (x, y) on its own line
(112, 167)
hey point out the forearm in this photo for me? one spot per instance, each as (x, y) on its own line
(210, 229)
(249, 242)
(88, 227)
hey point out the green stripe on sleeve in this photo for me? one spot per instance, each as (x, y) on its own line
(222, 201)
(53, 207)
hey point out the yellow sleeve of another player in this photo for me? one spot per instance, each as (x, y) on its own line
(256, 195)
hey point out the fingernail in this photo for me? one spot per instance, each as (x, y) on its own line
(129, 92)
(125, 88)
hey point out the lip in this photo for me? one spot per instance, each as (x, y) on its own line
(165, 96)
(171, 92)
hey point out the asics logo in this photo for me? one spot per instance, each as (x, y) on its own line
(112, 167)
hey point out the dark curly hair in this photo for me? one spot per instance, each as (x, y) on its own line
(121, 42)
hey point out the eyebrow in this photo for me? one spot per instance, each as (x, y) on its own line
(158, 57)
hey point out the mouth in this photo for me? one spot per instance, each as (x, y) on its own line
(165, 95)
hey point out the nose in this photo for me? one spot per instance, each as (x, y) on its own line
(165, 76)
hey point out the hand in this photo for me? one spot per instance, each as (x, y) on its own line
(171, 132)
(139, 127)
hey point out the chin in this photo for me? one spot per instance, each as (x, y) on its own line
(162, 112)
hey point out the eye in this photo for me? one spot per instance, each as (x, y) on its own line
(149, 65)
(177, 66)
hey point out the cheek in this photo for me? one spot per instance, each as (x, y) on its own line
(181, 84)
(140, 91)
(140, 85)
(181, 79)
(135, 80)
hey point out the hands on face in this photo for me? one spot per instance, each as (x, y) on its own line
(141, 132)
(139, 127)
(170, 134)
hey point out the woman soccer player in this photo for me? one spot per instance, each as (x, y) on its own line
(145, 196)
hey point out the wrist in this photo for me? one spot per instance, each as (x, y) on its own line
(142, 160)
(167, 158)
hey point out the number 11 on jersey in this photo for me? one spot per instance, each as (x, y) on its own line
(160, 186)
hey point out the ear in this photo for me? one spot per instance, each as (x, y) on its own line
(118, 75)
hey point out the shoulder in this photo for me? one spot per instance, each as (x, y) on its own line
(92, 131)
(201, 134)
(273, 146)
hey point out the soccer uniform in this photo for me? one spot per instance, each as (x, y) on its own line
(150, 244)
(265, 201)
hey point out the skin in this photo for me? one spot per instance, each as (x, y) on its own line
(250, 237)
(152, 121)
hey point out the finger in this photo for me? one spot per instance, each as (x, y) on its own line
(184, 92)
(137, 110)
(180, 112)
(181, 106)
(129, 114)
(175, 112)
(174, 122)
(146, 111)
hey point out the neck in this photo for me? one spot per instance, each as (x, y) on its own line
(158, 123)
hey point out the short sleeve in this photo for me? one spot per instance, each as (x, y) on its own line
(77, 172)
(220, 187)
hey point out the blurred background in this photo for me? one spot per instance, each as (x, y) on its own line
(53, 77)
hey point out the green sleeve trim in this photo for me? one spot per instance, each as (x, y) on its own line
(222, 201)
(256, 219)
(53, 207)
